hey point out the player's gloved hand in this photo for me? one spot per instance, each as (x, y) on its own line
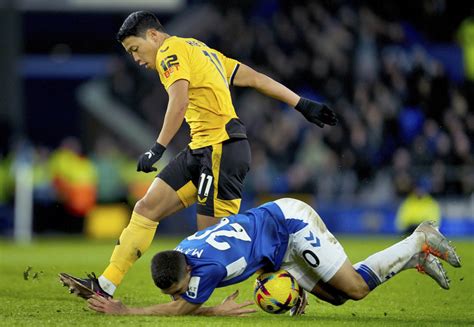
(146, 160)
(317, 113)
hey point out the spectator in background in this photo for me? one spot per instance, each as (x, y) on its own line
(398, 103)
(466, 39)
(74, 177)
(108, 161)
(418, 206)
(6, 180)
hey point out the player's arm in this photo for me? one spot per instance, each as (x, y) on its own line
(248, 77)
(174, 71)
(313, 111)
(177, 105)
(228, 307)
(175, 308)
(116, 307)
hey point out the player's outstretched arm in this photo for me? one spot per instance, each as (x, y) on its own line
(228, 307)
(317, 113)
(180, 307)
(248, 77)
(116, 307)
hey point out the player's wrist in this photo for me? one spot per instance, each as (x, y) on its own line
(133, 311)
(305, 105)
(206, 311)
(126, 311)
(158, 149)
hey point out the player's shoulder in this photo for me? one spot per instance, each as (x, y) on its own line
(176, 41)
(175, 45)
(205, 262)
(172, 46)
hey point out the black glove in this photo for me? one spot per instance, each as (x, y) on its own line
(146, 160)
(317, 113)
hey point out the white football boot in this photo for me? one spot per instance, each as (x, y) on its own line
(428, 264)
(437, 244)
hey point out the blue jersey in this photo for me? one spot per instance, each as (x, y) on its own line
(234, 249)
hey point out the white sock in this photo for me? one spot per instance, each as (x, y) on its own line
(383, 265)
(107, 285)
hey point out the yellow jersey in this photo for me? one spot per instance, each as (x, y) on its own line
(210, 114)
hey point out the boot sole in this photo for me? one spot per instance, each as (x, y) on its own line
(78, 289)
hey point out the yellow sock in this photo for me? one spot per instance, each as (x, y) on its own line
(133, 242)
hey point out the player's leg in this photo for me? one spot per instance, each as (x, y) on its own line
(327, 293)
(314, 255)
(346, 285)
(222, 173)
(160, 201)
(171, 191)
(416, 251)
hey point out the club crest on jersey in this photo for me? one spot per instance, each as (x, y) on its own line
(169, 65)
(193, 287)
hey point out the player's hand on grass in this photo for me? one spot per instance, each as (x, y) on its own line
(109, 306)
(317, 113)
(148, 159)
(229, 307)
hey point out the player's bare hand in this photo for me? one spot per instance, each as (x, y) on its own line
(229, 307)
(108, 306)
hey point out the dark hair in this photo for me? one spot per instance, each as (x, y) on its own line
(137, 23)
(167, 268)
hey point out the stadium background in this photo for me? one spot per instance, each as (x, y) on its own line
(75, 111)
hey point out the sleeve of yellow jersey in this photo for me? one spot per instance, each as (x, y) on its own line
(231, 66)
(172, 62)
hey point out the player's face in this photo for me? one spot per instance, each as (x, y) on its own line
(178, 288)
(143, 50)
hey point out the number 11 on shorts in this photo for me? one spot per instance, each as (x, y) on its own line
(207, 179)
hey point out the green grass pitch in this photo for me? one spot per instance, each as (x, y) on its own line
(409, 299)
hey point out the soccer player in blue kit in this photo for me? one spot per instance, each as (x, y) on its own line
(284, 234)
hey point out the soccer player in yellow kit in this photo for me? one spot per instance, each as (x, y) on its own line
(211, 170)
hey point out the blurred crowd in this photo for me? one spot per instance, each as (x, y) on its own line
(67, 184)
(402, 118)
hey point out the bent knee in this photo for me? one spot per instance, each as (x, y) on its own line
(143, 204)
(338, 300)
(147, 208)
(358, 291)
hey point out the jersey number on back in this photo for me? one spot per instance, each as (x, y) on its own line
(238, 232)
